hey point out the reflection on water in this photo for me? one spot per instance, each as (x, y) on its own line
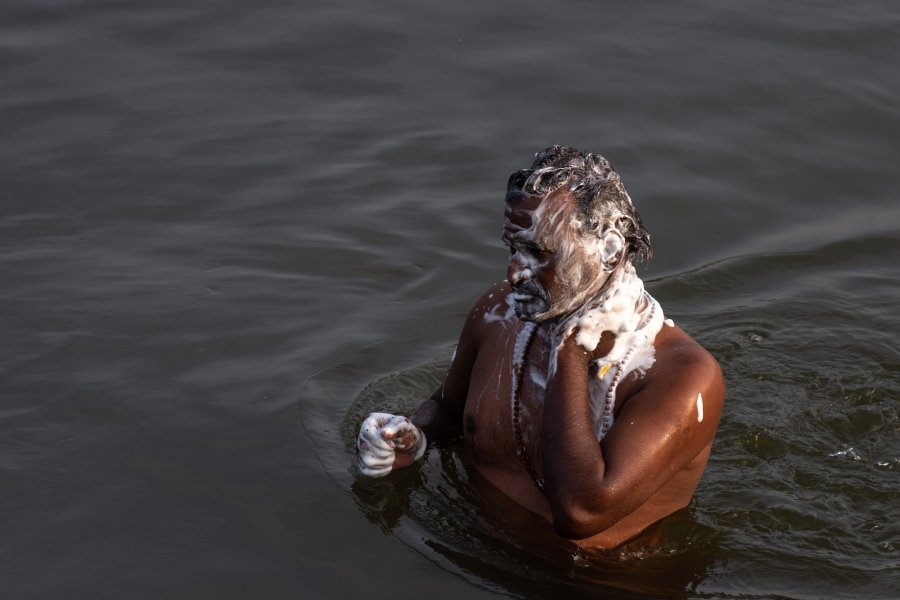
(444, 509)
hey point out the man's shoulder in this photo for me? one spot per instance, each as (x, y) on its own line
(681, 361)
(674, 344)
(684, 386)
(493, 307)
(491, 315)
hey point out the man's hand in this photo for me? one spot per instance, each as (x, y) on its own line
(583, 328)
(387, 441)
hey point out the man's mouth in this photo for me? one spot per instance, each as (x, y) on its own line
(529, 301)
(527, 292)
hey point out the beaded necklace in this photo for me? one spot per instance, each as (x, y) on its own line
(521, 450)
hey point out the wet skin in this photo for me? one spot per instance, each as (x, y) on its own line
(598, 494)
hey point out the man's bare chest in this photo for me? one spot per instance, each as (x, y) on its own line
(506, 384)
(508, 388)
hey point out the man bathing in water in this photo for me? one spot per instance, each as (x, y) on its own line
(574, 394)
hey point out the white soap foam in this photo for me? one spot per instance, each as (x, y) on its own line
(625, 309)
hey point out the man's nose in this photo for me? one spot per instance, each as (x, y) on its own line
(516, 270)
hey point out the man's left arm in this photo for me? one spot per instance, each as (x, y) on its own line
(658, 432)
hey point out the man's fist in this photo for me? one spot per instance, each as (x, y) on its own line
(381, 437)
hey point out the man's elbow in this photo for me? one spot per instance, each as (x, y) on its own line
(573, 529)
(577, 521)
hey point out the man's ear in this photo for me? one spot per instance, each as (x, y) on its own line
(612, 247)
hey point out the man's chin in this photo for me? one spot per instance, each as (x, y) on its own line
(540, 312)
(532, 311)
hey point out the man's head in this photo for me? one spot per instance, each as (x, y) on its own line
(569, 223)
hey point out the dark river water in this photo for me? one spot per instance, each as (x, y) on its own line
(228, 230)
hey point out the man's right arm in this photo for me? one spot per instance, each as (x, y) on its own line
(441, 416)
(388, 442)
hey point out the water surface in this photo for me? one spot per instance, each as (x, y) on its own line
(227, 231)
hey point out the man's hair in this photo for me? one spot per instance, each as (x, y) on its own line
(600, 197)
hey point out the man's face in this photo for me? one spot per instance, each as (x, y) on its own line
(553, 268)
